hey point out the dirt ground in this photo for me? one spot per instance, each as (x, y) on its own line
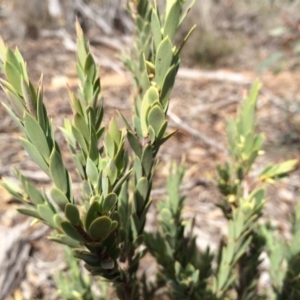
(203, 105)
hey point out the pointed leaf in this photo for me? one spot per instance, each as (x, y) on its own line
(35, 155)
(109, 202)
(163, 61)
(36, 135)
(71, 231)
(58, 172)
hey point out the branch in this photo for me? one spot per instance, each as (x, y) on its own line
(205, 139)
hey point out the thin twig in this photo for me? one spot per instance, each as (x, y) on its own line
(89, 13)
(205, 139)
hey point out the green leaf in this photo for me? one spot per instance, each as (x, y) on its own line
(46, 213)
(112, 172)
(167, 85)
(104, 184)
(156, 28)
(151, 133)
(142, 190)
(13, 76)
(163, 61)
(88, 91)
(114, 225)
(92, 172)
(114, 131)
(109, 202)
(71, 231)
(35, 155)
(28, 97)
(90, 68)
(57, 218)
(72, 213)
(34, 194)
(124, 120)
(80, 139)
(121, 181)
(86, 256)
(36, 136)
(82, 47)
(147, 160)
(134, 143)
(82, 126)
(58, 172)
(100, 227)
(12, 58)
(278, 170)
(13, 116)
(172, 20)
(16, 103)
(29, 212)
(92, 213)
(65, 240)
(109, 145)
(156, 118)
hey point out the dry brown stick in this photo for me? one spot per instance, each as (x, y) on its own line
(205, 139)
(213, 106)
(183, 188)
(218, 75)
(89, 13)
(232, 77)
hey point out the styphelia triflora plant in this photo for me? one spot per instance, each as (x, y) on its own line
(105, 228)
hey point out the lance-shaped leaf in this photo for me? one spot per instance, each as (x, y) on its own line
(147, 160)
(92, 172)
(111, 171)
(142, 190)
(65, 240)
(82, 126)
(156, 118)
(46, 213)
(30, 212)
(13, 76)
(58, 172)
(28, 97)
(163, 61)
(100, 227)
(278, 170)
(80, 139)
(172, 20)
(71, 231)
(35, 155)
(134, 143)
(87, 257)
(14, 117)
(156, 27)
(114, 131)
(167, 86)
(36, 136)
(109, 202)
(72, 213)
(17, 103)
(90, 67)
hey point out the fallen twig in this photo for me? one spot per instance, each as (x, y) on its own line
(205, 139)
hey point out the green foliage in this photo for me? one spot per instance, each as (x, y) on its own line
(73, 285)
(105, 226)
